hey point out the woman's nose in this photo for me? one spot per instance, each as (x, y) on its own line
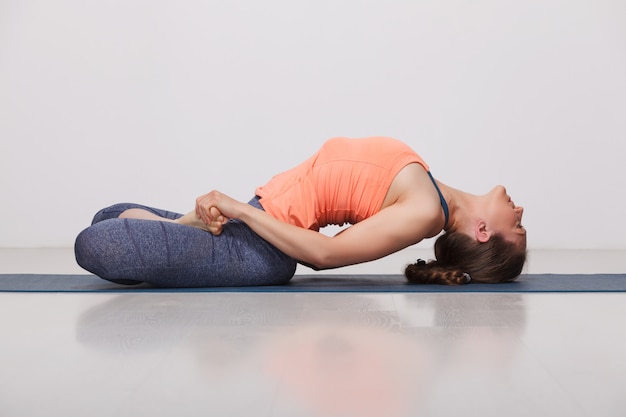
(499, 189)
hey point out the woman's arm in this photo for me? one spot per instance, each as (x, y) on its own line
(393, 228)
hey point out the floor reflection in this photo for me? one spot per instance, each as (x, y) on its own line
(350, 370)
(481, 331)
(317, 354)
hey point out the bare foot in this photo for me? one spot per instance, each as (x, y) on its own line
(192, 219)
(189, 219)
(137, 213)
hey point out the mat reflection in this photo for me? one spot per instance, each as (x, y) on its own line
(318, 354)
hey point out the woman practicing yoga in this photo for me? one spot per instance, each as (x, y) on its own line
(378, 185)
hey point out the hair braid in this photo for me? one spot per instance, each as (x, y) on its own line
(433, 273)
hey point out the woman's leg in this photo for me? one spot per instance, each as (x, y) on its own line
(137, 211)
(172, 255)
(116, 210)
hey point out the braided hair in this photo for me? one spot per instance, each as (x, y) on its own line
(461, 259)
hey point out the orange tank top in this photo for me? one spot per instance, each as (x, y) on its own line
(345, 181)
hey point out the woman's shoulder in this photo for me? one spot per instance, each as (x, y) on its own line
(413, 188)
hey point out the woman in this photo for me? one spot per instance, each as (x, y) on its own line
(378, 185)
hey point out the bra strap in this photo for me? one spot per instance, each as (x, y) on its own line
(444, 205)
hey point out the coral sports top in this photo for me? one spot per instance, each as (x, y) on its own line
(346, 181)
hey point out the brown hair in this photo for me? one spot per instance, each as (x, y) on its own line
(462, 259)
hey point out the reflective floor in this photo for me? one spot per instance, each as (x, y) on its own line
(311, 354)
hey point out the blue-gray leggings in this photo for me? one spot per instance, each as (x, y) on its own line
(164, 254)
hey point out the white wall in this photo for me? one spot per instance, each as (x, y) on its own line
(159, 101)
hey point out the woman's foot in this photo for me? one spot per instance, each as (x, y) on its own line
(192, 219)
(141, 214)
(189, 219)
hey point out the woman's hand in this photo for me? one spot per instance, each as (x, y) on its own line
(192, 219)
(215, 209)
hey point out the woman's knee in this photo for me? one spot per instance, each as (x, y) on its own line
(91, 253)
(86, 253)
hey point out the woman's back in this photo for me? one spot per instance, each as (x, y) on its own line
(346, 181)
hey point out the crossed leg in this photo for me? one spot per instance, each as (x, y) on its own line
(189, 219)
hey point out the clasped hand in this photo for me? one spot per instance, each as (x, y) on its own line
(215, 209)
(212, 211)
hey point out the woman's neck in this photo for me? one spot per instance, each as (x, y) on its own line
(460, 205)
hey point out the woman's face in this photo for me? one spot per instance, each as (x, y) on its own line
(504, 217)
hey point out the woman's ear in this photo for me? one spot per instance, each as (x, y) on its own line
(481, 232)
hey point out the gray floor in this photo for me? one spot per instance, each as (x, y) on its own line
(268, 354)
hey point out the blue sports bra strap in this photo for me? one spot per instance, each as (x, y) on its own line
(444, 205)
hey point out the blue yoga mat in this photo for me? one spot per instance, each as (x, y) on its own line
(326, 283)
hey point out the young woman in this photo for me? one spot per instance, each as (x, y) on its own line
(378, 185)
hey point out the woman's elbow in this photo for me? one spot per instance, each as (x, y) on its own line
(322, 261)
(324, 255)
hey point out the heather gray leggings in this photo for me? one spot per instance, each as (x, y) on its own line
(131, 251)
